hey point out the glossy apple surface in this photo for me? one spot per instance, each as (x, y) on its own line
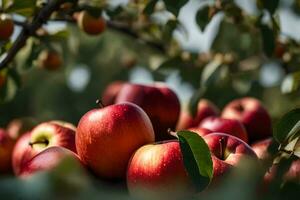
(159, 102)
(253, 115)
(156, 171)
(107, 137)
(110, 93)
(229, 126)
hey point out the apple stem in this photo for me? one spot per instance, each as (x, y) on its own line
(99, 103)
(222, 147)
(39, 142)
(172, 133)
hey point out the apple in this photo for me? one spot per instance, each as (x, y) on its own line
(46, 160)
(156, 171)
(252, 114)
(106, 138)
(205, 109)
(200, 131)
(43, 136)
(226, 151)
(110, 93)
(159, 102)
(261, 148)
(17, 127)
(6, 148)
(90, 24)
(6, 27)
(22, 152)
(229, 126)
(50, 60)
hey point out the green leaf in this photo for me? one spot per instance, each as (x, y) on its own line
(271, 6)
(291, 83)
(197, 159)
(202, 17)
(175, 6)
(149, 9)
(211, 72)
(169, 28)
(25, 8)
(288, 128)
(269, 39)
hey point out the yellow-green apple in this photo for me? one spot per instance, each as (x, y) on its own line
(106, 138)
(205, 109)
(261, 148)
(226, 151)
(110, 93)
(229, 126)
(46, 160)
(17, 127)
(159, 102)
(6, 148)
(252, 114)
(200, 131)
(156, 171)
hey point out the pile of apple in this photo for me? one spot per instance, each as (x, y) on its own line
(128, 138)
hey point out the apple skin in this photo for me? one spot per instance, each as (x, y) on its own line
(261, 148)
(252, 114)
(50, 60)
(52, 133)
(227, 151)
(6, 27)
(6, 148)
(205, 109)
(90, 24)
(229, 126)
(159, 102)
(46, 160)
(156, 171)
(200, 131)
(110, 93)
(107, 137)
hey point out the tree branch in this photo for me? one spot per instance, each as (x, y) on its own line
(30, 30)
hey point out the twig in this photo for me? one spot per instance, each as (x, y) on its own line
(30, 30)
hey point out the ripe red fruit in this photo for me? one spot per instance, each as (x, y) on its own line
(6, 148)
(261, 148)
(49, 60)
(229, 126)
(200, 131)
(90, 24)
(156, 171)
(107, 137)
(46, 160)
(205, 109)
(159, 102)
(227, 151)
(110, 93)
(252, 114)
(6, 27)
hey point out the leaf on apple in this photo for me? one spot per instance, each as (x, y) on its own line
(196, 158)
(288, 128)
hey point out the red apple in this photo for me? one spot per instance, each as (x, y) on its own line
(252, 114)
(22, 152)
(229, 126)
(205, 109)
(6, 148)
(53, 133)
(107, 137)
(200, 131)
(110, 93)
(158, 101)
(261, 148)
(46, 160)
(227, 151)
(17, 127)
(43, 136)
(293, 173)
(156, 171)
